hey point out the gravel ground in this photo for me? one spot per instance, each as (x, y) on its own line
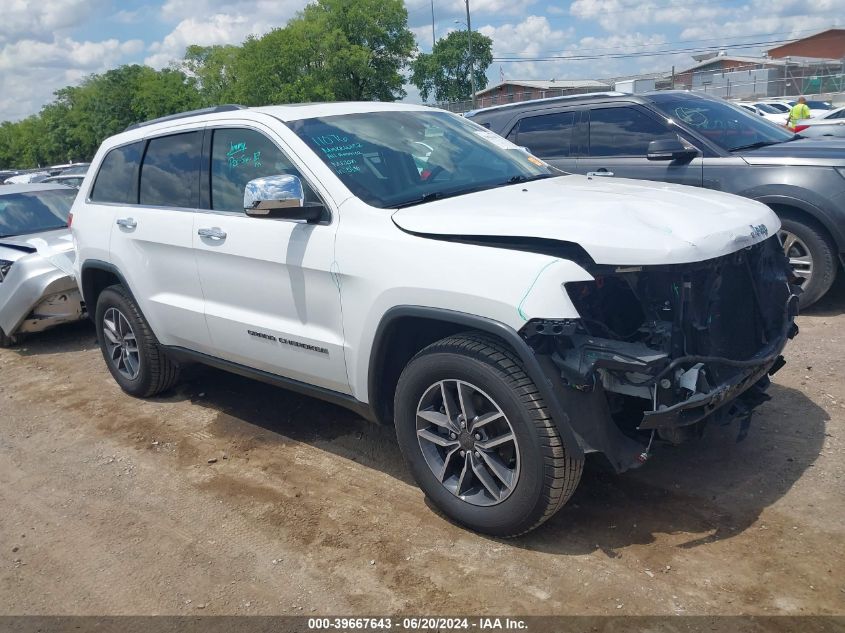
(233, 497)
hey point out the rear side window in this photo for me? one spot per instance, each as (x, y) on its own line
(118, 176)
(624, 132)
(170, 171)
(547, 136)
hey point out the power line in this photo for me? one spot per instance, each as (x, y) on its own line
(657, 53)
(724, 40)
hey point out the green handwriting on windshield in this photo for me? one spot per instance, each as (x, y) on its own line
(341, 154)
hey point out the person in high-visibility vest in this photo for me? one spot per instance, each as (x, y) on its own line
(799, 111)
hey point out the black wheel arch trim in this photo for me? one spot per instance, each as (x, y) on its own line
(507, 334)
(818, 214)
(85, 282)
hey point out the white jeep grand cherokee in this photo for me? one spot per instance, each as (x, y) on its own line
(412, 266)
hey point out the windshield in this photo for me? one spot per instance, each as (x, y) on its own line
(398, 158)
(34, 211)
(765, 107)
(726, 125)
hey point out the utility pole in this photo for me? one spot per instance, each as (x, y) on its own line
(471, 64)
(432, 26)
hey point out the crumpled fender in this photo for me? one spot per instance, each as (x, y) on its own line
(31, 278)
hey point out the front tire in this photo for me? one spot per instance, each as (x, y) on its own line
(131, 351)
(478, 438)
(812, 257)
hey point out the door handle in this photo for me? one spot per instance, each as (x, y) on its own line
(600, 172)
(213, 233)
(127, 223)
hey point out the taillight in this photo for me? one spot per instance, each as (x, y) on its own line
(800, 128)
(69, 219)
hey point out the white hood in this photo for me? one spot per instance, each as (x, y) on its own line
(618, 221)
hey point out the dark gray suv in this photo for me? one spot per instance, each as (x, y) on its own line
(690, 139)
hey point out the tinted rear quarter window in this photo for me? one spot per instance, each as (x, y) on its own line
(118, 176)
(624, 132)
(547, 135)
(170, 171)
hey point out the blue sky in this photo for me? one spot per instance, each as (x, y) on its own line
(48, 44)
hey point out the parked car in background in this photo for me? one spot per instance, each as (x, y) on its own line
(37, 288)
(771, 114)
(65, 179)
(75, 169)
(7, 173)
(410, 265)
(780, 106)
(67, 168)
(692, 139)
(829, 124)
(27, 177)
(817, 107)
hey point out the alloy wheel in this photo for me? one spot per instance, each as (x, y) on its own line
(468, 442)
(121, 344)
(800, 259)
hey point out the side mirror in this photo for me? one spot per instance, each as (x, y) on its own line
(670, 149)
(280, 196)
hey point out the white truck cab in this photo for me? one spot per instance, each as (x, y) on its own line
(409, 264)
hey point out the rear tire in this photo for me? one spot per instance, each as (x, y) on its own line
(809, 243)
(531, 475)
(131, 351)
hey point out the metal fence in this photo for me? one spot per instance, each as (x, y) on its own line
(751, 81)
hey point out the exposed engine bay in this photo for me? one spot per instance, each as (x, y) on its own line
(663, 350)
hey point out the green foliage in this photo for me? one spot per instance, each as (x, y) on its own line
(444, 73)
(333, 50)
(74, 124)
(213, 70)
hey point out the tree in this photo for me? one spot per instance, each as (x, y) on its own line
(444, 73)
(213, 71)
(74, 124)
(332, 50)
(365, 44)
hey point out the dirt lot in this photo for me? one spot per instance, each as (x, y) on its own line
(110, 505)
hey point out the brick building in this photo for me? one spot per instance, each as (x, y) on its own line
(828, 44)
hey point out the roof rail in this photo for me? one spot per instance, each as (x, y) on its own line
(516, 104)
(229, 107)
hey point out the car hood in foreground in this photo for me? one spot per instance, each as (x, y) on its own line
(818, 152)
(617, 222)
(55, 246)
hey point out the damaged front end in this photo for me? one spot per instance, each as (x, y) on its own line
(663, 350)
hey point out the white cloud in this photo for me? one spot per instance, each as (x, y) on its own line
(621, 15)
(536, 37)
(530, 38)
(209, 22)
(23, 19)
(30, 70)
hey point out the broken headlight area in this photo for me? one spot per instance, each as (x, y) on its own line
(669, 347)
(5, 266)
